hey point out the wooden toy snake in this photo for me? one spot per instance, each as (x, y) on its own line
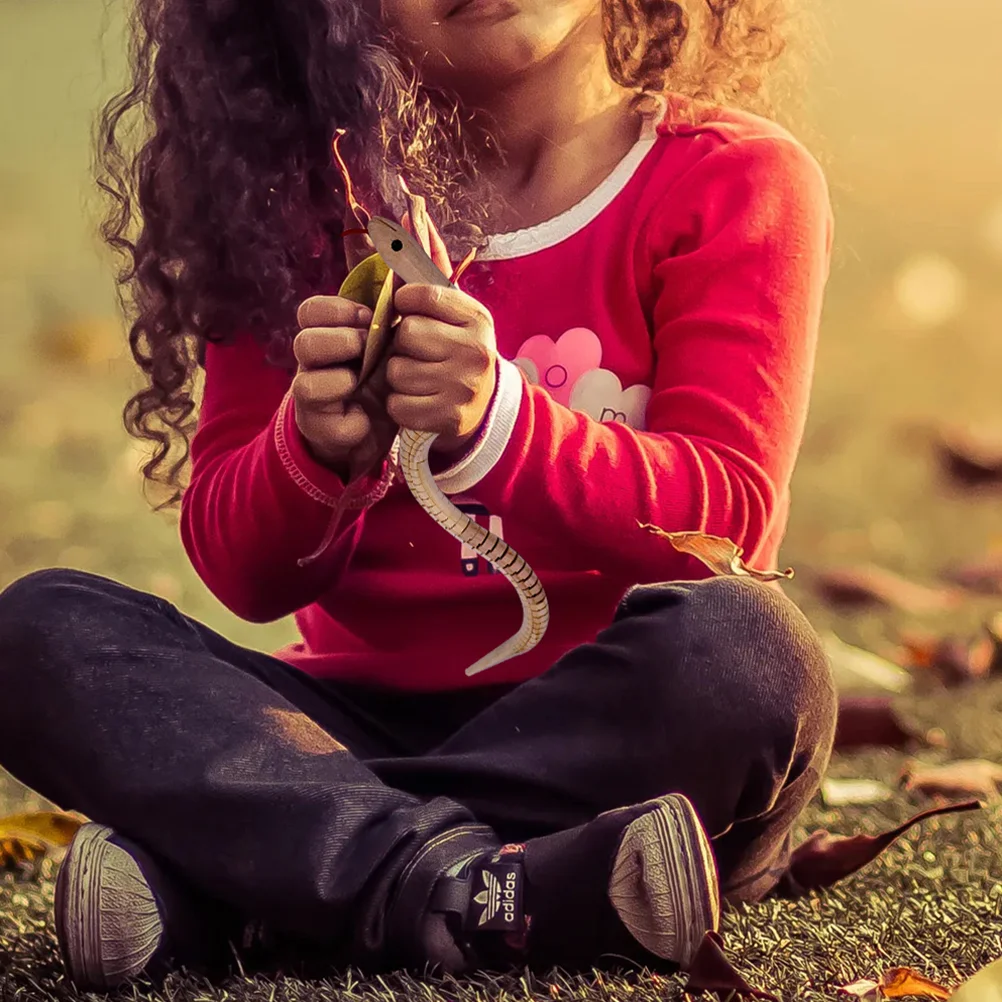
(405, 257)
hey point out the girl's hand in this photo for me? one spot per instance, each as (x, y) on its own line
(442, 372)
(332, 336)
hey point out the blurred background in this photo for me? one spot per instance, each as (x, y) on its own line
(907, 116)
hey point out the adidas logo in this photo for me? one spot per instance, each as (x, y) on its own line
(500, 895)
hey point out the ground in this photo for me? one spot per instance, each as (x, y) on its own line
(914, 171)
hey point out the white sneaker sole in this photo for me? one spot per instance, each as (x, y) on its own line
(106, 914)
(664, 884)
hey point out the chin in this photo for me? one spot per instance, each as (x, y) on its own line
(484, 64)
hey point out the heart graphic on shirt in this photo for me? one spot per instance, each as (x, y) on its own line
(601, 396)
(558, 367)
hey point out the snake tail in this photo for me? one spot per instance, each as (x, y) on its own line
(415, 448)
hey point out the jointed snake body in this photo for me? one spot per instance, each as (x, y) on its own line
(405, 256)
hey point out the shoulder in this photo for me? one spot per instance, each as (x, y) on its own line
(702, 144)
(712, 169)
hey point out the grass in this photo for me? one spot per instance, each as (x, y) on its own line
(867, 487)
(932, 902)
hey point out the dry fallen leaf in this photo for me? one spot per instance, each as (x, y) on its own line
(975, 778)
(900, 982)
(721, 555)
(365, 281)
(973, 452)
(379, 336)
(22, 857)
(994, 627)
(982, 575)
(869, 584)
(54, 828)
(864, 989)
(25, 839)
(896, 983)
(953, 660)
(824, 859)
(840, 792)
(711, 971)
(854, 666)
(984, 986)
(80, 342)
(871, 722)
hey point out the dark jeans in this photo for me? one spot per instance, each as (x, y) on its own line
(220, 761)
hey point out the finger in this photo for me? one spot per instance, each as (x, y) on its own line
(450, 305)
(332, 311)
(316, 347)
(323, 389)
(353, 427)
(419, 413)
(416, 379)
(340, 432)
(427, 340)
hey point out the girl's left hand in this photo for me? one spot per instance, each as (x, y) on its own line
(443, 369)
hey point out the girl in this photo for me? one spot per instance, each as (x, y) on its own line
(633, 344)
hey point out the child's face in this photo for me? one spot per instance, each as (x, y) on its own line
(475, 45)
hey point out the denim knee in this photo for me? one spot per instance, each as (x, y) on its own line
(46, 618)
(740, 655)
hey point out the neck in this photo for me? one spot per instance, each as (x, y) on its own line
(564, 120)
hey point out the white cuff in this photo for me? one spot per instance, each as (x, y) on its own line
(498, 428)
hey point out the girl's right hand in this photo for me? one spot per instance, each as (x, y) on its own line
(331, 338)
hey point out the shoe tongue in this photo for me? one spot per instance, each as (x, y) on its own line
(457, 869)
(497, 902)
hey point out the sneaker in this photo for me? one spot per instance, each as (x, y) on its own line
(119, 917)
(637, 884)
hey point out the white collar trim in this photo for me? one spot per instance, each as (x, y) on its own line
(520, 243)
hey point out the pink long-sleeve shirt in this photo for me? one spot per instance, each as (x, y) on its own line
(656, 347)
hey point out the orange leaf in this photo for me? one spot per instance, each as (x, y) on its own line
(52, 828)
(976, 777)
(973, 452)
(983, 575)
(955, 660)
(869, 584)
(22, 856)
(901, 981)
(722, 556)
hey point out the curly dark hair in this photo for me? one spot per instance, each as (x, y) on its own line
(224, 200)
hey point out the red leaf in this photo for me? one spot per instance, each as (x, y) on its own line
(711, 971)
(973, 778)
(870, 721)
(982, 575)
(871, 585)
(824, 859)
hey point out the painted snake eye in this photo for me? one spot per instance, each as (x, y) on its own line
(397, 245)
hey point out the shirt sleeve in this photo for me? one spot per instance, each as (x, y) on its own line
(739, 251)
(258, 503)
